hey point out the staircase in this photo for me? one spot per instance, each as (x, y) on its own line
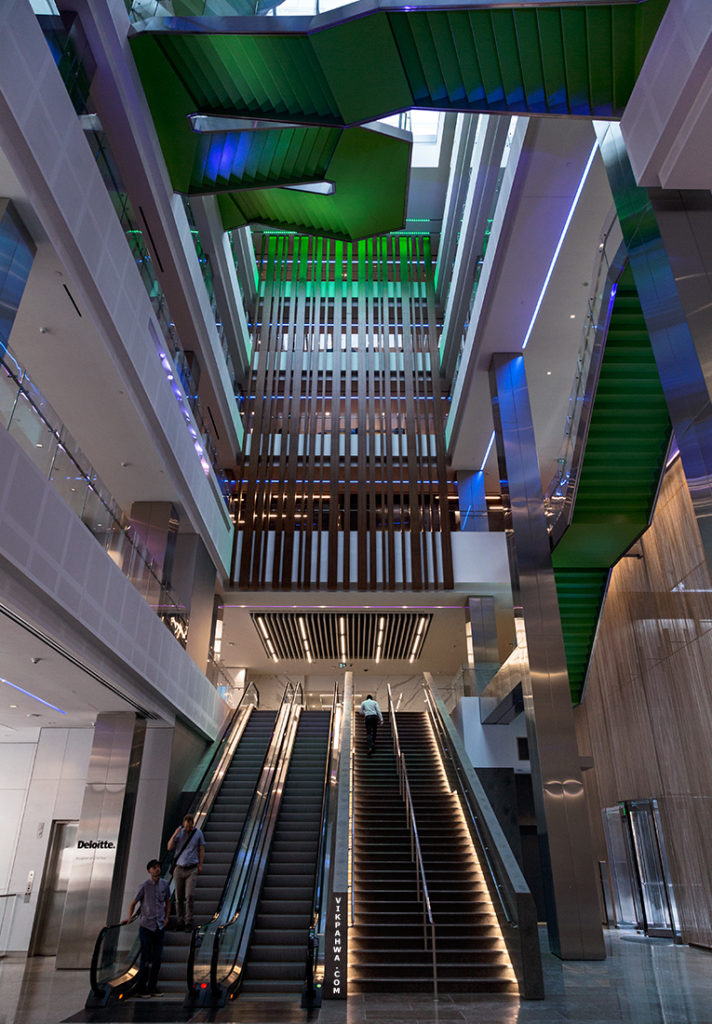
(222, 835)
(386, 941)
(625, 453)
(277, 955)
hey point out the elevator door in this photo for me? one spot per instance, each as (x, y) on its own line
(53, 890)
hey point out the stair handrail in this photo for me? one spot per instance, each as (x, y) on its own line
(327, 833)
(511, 897)
(212, 767)
(251, 863)
(198, 973)
(415, 850)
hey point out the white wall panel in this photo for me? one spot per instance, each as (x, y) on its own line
(81, 584)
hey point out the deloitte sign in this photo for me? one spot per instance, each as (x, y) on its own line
(95, 844)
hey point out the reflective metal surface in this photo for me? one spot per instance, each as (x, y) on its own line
(98, 872)
(483, 624)
(668, 235)
(574, 919)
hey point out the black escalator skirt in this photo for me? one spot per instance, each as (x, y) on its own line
(277, 954)
(222, 836)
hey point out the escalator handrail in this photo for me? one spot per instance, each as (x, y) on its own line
(202, 802)
(315, 948)
(250, 829)
(252, 875)
(97, 987)
(208, 772)
(416, 853)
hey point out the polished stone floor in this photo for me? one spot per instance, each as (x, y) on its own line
(643, 981)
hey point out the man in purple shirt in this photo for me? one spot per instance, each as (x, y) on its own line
(154, 901)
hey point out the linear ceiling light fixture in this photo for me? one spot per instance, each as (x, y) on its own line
(418, 639)
(33, 695)
(557, 250)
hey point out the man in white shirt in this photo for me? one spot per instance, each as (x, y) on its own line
(372, 714)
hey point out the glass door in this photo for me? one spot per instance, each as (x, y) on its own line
(656, 890)
(624, 883)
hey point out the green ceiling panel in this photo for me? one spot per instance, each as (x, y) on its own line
(581, 60)
(626, 446)
(362, 65)
(355, 210)
(324, 70)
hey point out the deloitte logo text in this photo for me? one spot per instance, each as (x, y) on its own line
(94, 844)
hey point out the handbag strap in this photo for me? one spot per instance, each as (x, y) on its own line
(179, 852)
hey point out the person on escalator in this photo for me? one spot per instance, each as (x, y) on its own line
(154, 901)
(189, 843)
(373, 718)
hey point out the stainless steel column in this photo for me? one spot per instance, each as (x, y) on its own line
(485, 650)
(668, 235)
(573, 914)
(96, 884)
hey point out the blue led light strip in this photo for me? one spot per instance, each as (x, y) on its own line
(489, 449)
(555, 257)
(34, 696)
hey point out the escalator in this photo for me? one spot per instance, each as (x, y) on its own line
(222, 792)
(222, 830)
(277, 954)
(263, 946)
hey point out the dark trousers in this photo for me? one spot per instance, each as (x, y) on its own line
(149, 961)
(371, 729)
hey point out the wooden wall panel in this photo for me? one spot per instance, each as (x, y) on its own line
(344, 345)
(646, 716)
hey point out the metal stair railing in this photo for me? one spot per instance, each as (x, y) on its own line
(511, 898)
(322, 887)
(415, 851)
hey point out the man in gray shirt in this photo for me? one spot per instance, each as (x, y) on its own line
(189, 844)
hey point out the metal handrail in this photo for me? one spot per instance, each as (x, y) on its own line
(251, 874)
(317, 928)
(472, 812)
(217, 764)
(512, 900)
(352, 827)
(415, 851)
(232, 889)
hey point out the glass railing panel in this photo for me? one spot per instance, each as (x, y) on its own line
(32, 434)
(115, 958)
(8, 397)
(68, 480)
(32, 421)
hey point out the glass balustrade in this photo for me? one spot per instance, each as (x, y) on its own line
(31, 420)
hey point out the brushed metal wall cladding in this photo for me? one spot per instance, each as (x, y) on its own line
(323, 631)
(647, 708)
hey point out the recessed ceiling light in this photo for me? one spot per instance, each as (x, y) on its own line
(13, 705)
(39, 445)
(572, 316)
(548, 373)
